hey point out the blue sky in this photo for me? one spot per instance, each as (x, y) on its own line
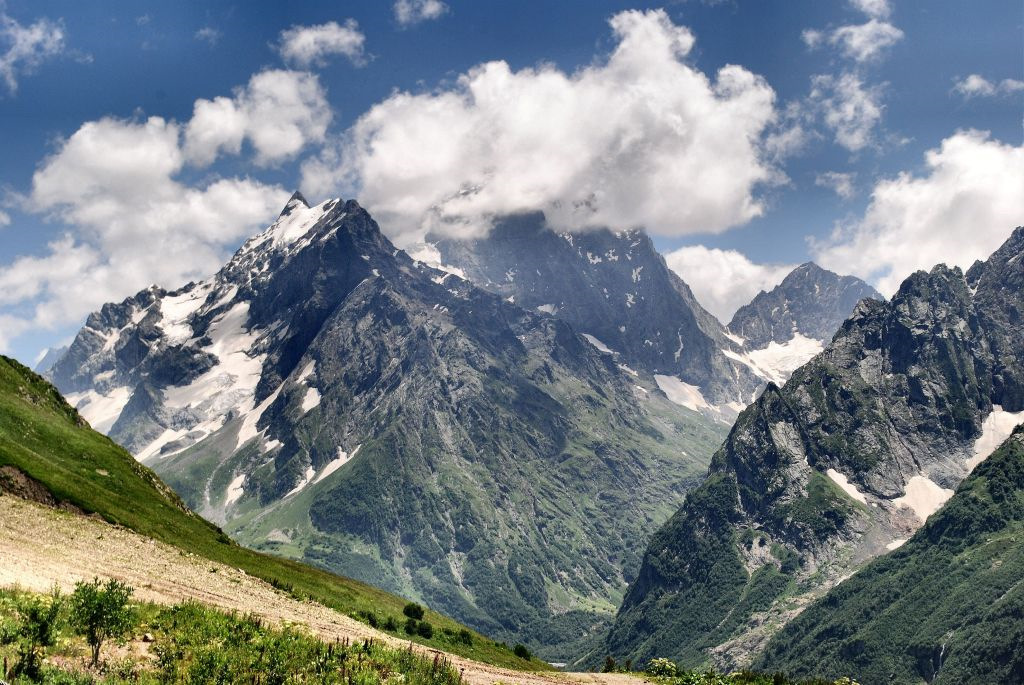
(874, 137)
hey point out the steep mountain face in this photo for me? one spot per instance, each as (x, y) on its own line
(810, 301)
(782, 329)
(614, 287)
(946, 607)
(842, 463)
(51, 357)
(50, 455)
(326, 397)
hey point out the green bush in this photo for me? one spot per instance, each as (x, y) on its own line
(465, 637)
(661, 667)
(411, 625)
(390, 624)
(522, 652)
(425, 630)
(413, 610)
(100, 611)
(40, 623)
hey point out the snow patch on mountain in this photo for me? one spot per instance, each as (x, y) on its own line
(996, 428)
(776, 362)
(846, 486)
(311, 400)
(175, 311)
(923, 496)
(601, 347)
(306, 480)
(431, 256)
(682, 393)
(101, 411)
(336, 463)
(235, 489)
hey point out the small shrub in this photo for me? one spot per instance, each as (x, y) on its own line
(390, 624)
(522, 652)
(100, 611)
(661, 667)
(465, 637)
(411, 625)
(609, 664)
(413, 610)
(425, 630)
(40, 625)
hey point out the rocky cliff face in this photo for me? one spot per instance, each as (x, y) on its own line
(810, 301)
(325, 396)
(842, 463)
(616, 288)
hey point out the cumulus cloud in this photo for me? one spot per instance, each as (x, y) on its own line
(864, 42)
(642, 139)
(307, 46)
(839, 182)
(961, 209)
(5, 219)
(976, 85)
(724, 280)
(26, 47)
(279, 112)
(848, 107)
(409, 12)
(876, 9)
(115, 182)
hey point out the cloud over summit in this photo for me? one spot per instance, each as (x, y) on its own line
(641, 139)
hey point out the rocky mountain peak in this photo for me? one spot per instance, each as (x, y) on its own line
(614, 287)
(810, 302)
(842, 463)
(296, 200)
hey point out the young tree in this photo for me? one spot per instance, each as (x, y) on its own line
(100, 611)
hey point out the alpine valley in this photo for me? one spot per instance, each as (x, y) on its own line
(500, 427)
(326, 397)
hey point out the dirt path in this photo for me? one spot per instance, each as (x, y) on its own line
(40, 547)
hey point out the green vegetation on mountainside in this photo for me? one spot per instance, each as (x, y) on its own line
(190, 643)
(946, 607)
(44, 438)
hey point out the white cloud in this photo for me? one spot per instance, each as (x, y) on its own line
(960, 209)
(876, 9)
(865, 42)
(724, 280)
(839, 182)
(208, 35)
(850, 109)
(813, 37)
(26, 46)
(310, 45)
(409, 12)
(640, 140)
(976, 85)
(5, 219)
(279, 112)
(131, 223)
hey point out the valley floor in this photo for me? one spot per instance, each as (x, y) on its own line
(41, 547)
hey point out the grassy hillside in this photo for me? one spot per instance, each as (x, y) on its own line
(196, 644)
(44, 438)
(946, 607)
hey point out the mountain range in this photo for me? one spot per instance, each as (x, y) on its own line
(326, 397)
(843, 463)
(500, 427)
